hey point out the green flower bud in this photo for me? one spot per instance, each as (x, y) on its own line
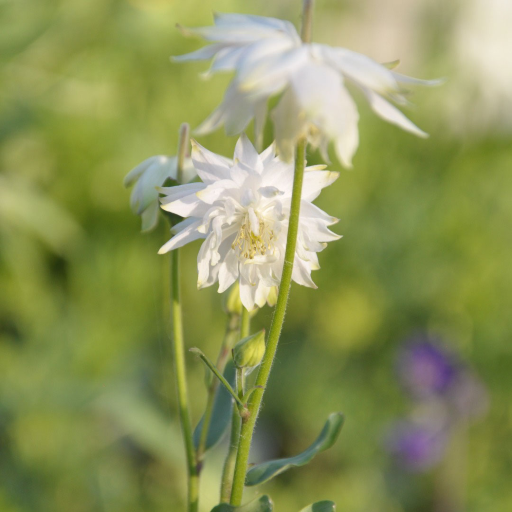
(231, 302)
(249, 352)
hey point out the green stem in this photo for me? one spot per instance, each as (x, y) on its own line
(236, 422)
(240, 387)
(230, 337)
(178, 348)
(182, 150)
(219, 376)
(181, 383)
(249, 421)
(229, 463)
(307, 20)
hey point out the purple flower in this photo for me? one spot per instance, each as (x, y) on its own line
(416, 446)
(426, 368)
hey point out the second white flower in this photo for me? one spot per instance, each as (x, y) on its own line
(242, 209)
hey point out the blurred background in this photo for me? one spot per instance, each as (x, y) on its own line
(87, 402)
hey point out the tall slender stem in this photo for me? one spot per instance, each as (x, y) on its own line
(179, 351)
(182, 150)
(307, 20)
(231, 335)
(236, 422)
(249, 422)
(181, 383)
(245, 328)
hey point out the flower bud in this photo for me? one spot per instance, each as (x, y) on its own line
(249, 352)
(231, 300)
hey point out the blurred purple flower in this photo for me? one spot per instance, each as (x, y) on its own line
(426, 368)
(416, 446)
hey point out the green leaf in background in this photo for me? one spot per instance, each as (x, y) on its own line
(221, 416)
(267, 470)
(261, 504)
(320, 506)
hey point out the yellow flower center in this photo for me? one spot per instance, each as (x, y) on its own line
(254, 238)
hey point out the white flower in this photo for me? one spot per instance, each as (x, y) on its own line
(241, 210)
(148, 175)
(269, 58)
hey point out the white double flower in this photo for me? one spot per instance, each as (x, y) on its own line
(269, 58)
(242, 210)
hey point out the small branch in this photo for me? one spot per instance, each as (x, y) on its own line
(247, 395)
(231, 336)
(219, 375)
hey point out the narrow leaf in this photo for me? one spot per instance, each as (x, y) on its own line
(320, 506)
(221, 415)
(267, 470)
(261, 504)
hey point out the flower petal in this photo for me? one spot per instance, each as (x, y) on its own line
(315, 181)
(245, 152)
(214, 191)
(209, 166)
(228, 272)
(389, 113)
(186, 235)
(359, 68)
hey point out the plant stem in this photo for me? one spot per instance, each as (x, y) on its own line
(181, 383)
(178, 348)
(236, 421)
(229, 463)
(182, 150)
(249, 422)
(219, 376)
(240, 386)
(232, 333)
(307, 20)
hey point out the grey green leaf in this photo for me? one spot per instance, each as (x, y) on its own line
(267, 470)
(261, 504)
(320, 506)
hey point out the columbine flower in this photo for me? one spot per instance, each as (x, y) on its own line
(241, 210)
(417, 445)
(269, 58)
(426, 368)
(148, 175)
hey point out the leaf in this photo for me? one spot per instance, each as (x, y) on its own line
(261, 504)
(267, 470)
(320, 506)
(221, 415)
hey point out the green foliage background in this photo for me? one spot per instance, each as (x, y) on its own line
(87, 405)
